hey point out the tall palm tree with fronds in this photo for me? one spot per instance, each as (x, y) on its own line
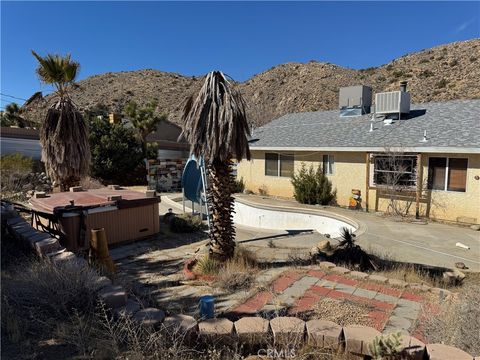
(64, 133)
(216, 126)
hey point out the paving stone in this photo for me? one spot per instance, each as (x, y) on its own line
(378, 278)
(340, 270)
(386, 298)
(149, 317)
(368, 294)
(358, 338)
(61, 257)
(113, 296)
(327, 284)
(326, 265)
(358, 275)
(31, 240)
(297, 289)
(252, 330)
(182, 324)
(287, 330)
(324, 334)
(409, 304)
(445, 352)
(130, 309)
(347, 289)
(15, 221)
(398, 283)
(397, 322)
(102, 281)
(419, 287)
(407, 312)
(217, 329)
(46, 246)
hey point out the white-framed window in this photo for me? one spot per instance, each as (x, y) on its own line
(447, 174)
(279, 164)
(328, 164)
(395, 170)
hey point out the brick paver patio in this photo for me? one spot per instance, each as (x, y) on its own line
(298, 291)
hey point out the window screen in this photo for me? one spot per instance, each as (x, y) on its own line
(328, 164)
(437, 170)
(286, 165)
(271, 164)
(457, 174)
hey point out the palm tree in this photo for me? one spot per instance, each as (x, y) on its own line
(215, 124)
(64, 134)
(144, 120)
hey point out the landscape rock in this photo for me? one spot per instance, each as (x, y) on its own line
(378, 278)
(43, 247)
(358, 275)
(340, 270)
(130, 308)
(475, 227)
(113, 296)
(326, 265)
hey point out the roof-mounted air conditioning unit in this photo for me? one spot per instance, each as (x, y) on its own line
(355, 100)
(393, 102)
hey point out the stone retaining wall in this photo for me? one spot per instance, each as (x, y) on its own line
(282, 331)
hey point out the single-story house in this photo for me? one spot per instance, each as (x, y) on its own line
(435, 147)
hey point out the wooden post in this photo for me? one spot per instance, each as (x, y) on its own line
(367, 181)
(419, 185)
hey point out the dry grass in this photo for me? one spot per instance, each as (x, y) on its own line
(458, 321)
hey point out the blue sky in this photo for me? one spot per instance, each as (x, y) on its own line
(242, 39)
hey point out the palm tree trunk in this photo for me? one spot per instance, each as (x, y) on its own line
(221, 206)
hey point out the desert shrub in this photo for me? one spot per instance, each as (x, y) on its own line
(453, 63)
(90, 183)
(19, 174)
(441, 84)
(238, 272)
(458, 322)
(381, 78)
(239, 185)
(17, 163)
(473, 59)
(41, 294)
(312, 186)
(425, 74)
(423, 61)
(185, 223)
(206, 266)
(386, 346)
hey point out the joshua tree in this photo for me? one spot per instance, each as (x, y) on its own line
(11, 116)
(144, 120)
(64, 134)
(216, 126)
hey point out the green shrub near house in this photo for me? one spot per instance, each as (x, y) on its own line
(312, 186)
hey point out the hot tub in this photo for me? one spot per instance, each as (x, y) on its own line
(124, 214)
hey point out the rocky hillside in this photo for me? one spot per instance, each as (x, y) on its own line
(442, 73)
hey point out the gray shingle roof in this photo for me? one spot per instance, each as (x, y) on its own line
(452, 125)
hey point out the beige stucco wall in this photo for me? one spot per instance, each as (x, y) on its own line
(350, 173)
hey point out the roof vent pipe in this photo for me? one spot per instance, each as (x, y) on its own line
(403, 86)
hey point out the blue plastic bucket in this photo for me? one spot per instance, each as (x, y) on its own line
(207, 307)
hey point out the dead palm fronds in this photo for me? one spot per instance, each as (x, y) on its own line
(64, 134)
(216, 126)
